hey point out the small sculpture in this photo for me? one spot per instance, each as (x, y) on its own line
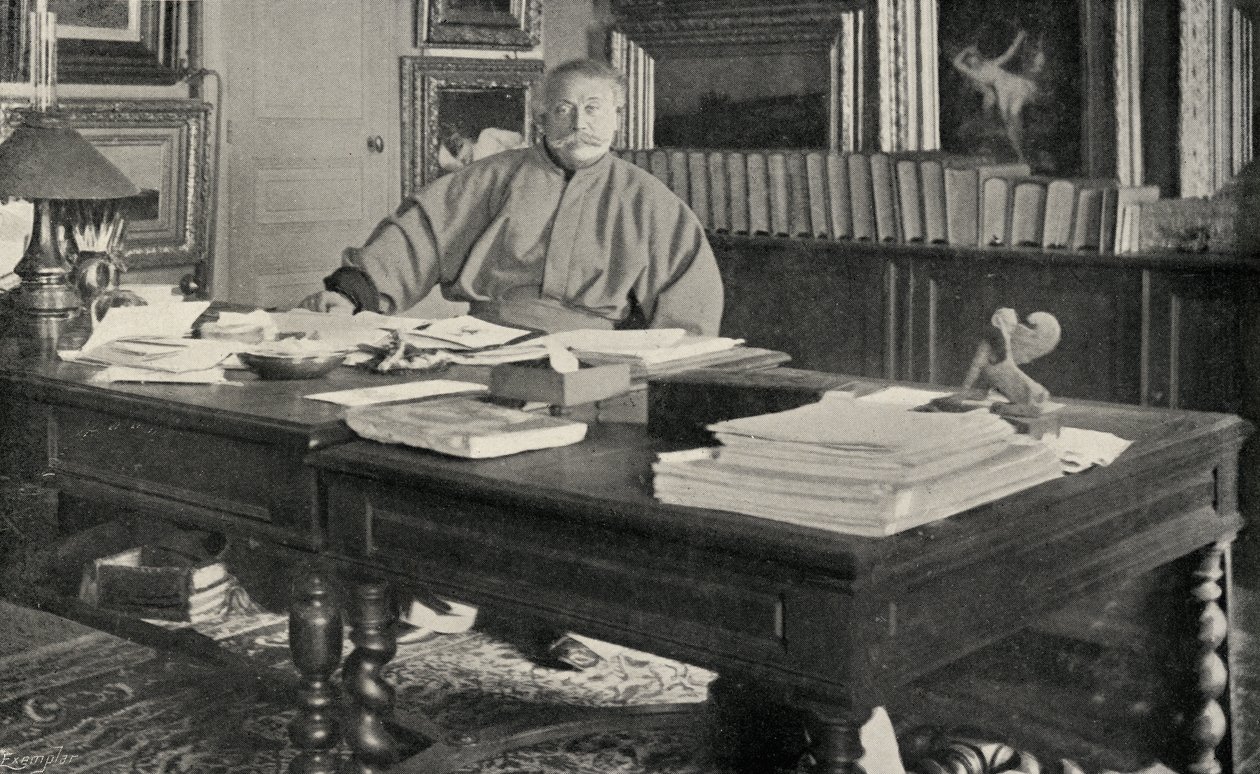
(1004, 348)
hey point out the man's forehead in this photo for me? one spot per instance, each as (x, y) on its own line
(575, 87)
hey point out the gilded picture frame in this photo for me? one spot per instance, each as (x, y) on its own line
(123, 42)
(161, 146)
(452, 107)
(696, 72)
(505, 24)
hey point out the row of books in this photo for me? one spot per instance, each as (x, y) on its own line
(923, 197)
(854, 467)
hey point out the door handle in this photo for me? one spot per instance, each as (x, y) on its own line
(376, 144)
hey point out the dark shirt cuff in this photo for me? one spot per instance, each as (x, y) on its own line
(356, 286)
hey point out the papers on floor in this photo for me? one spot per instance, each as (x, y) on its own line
(392, 393)
(855, 467)
(463, 427)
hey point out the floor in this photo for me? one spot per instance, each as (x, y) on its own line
(1058, 683)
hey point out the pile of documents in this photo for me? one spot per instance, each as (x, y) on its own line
(649, 352)
(155, 343)
(855, 467)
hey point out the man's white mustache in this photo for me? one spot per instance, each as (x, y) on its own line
(579, 137)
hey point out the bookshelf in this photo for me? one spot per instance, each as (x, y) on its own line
(1162, 329)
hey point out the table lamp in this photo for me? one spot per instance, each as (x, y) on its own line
(48, 162)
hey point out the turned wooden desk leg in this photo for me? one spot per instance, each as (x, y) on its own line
(315, 646)
(375, 749)
(837, 738)
(1208, 725)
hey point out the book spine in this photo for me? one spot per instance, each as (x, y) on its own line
(962, 206)
(884, 187)
(798, 195)
(658, 165)
(776, 169)
(1028, 213)
(910, 198)
(698, 186)
(816, 174)
(758, 195)
(679, 181)
(1060, 208)
(719, 191)
(861, 196)
(841, 209)
(1087, 220)
(995, 195)
(932, 180)
(737, 177)
(1108, 210)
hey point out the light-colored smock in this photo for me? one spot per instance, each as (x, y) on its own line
(526, 247)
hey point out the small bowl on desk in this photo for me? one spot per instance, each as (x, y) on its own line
(291, 365)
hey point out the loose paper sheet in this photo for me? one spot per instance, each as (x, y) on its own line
(1079, 449)
(144, 375)
(165, 321)
(366, 396)
(910, 397)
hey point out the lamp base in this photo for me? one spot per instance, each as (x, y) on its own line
(47, 308)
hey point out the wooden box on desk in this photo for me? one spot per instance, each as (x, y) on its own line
(681, 405)
(537, 381)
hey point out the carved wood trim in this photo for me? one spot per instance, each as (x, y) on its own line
(909, 114)
(422, 78)
(1128, 75)
(1216, 94)
(647, 30)
(739, 27)
(520, 29)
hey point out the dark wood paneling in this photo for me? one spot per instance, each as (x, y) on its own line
(1099, 310)
(824, 307)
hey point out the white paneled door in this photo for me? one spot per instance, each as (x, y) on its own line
(312, 108)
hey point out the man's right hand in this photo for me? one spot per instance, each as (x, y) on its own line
(328, 301)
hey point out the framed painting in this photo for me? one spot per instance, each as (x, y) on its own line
(514, 24)
(106, 41)
(765, 75)
(161, 146)
(1025, 80)
(456, 111)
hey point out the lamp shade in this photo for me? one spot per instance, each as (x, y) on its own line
(43, 159)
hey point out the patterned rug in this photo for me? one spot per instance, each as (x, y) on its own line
(98, 703)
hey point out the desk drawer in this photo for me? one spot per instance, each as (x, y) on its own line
(198, 472)
(552, 564)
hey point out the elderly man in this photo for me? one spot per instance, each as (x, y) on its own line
(555, 237)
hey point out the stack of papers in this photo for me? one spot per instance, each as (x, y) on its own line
(855, 467)
(649, 352)
(135, 341)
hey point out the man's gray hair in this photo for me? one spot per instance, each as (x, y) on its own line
(588, 68)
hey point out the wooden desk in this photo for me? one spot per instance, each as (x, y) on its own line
(834, 624)
(220, 457)
(829, 623)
